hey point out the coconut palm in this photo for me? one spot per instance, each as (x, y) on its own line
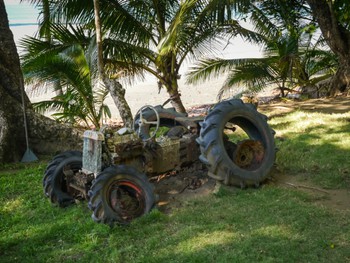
(291, 56)
(156, 36)
(285, 65)
(49, 16)
(70, 60)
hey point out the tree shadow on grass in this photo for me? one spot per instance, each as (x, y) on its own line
(269, 225)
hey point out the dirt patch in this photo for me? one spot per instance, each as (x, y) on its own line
(280, 107)
(324, 105)
(338, 199)
(176, 188)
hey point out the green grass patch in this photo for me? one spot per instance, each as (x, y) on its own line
(266, 225)
(316, 145)
(270, 224)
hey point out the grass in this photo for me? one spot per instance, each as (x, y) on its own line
(271, 224)
(315, 144)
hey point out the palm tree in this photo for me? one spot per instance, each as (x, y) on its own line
(49, 16)
(157, 36)
(115, 88)
(70, 60)
(291, 56)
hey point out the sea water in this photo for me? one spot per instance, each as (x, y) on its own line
(21, 14)
(23, 18)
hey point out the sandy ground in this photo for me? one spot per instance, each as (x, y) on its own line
(146, 93)
(191, 95)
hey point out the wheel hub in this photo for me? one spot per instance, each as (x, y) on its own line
(127, 200)
(249, 154)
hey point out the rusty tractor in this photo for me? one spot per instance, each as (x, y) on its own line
(233, 140)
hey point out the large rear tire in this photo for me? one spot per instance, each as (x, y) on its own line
(120, 194)
(54, 182)
(245, 160)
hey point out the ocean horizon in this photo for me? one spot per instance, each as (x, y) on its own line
(21, 14)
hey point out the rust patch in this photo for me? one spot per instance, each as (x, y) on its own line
(249, 154)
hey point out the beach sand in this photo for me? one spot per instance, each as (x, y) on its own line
(191, 95)
(146, 93)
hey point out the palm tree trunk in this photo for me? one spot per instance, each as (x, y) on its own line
(115, 88)
(44, 28)
(118, 95)
(176, 101)
(169, 69)
(45, 135)
(12, 143)
(341, 79)
(338, 39)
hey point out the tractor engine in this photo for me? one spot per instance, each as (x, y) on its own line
(166, 154)
(104, 149)
(151, 157)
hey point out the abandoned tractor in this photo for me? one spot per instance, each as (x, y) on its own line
(234, 141)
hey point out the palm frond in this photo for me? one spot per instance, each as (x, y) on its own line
(47, 105)
(205, 69)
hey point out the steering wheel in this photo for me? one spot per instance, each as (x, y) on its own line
(141, 122)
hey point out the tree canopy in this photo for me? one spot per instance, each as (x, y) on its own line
(153, 37)
(294, 53)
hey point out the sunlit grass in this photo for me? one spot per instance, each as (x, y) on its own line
(315, 144)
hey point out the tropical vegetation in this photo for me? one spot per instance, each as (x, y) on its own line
(68, 63)
(157, 37)
(294, 53)
(140, 36)
(151, 37)
(283, 221)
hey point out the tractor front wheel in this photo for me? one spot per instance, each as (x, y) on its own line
(120, 194)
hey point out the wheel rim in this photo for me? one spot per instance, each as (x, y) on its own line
(249, 154)
(126, 199)
(247, 150)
